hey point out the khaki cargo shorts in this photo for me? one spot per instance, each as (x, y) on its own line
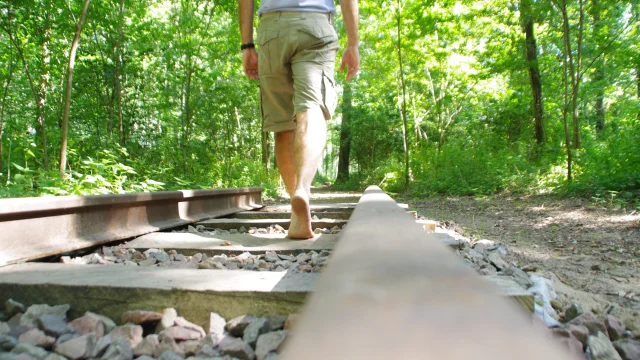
(296, 60)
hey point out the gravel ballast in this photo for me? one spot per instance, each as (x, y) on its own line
(144, 334)
(164, 335)
(311, 261)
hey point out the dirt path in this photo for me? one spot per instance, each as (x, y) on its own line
(592, 254)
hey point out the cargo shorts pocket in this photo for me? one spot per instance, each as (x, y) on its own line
(320, 40)
(329, 95)
(264, 53)
(321, 31)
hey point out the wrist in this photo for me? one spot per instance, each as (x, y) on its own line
(353, 44)
(247, 46)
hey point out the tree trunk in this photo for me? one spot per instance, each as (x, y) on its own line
(565, 112)
(574, 68)
(598, 75)
(534, 70)
(565, 77)
(5, 92)
(636, 14)
(345, 135)
(44, 80)
(109, 91)
(99, 96)
(68, 87)
(40, 126)
(119, 72)
(187, 111)
(577, 142)
(266, 147)
(9, 160)
(403, 108)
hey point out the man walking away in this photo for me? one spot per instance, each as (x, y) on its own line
(297, 46)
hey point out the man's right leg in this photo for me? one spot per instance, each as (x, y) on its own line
(298, 153)
(309, 142)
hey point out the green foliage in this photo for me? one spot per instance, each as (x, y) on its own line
(611, 165)
(470, 100)
(190, 119)
(320, 180)
(106, 174)
(387, 175)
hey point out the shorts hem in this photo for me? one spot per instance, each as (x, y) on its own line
(279, 127)
(304, 107)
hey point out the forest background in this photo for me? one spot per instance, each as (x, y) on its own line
(456, 97)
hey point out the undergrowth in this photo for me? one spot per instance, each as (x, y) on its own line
(607, 174)
(114, 172)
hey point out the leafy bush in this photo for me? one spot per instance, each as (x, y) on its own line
(388, 175)
(113, 172)
(108, 173)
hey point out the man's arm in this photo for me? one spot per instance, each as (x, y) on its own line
(246, 20)
(351, 55)
(249, 56)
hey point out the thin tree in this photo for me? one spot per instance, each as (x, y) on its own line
(527, 23)
(567, 67)
(565, 112)
(636, 15)
(598, 75)
(574, 65)
(119, 71)
(403, 101)
(39, 102)
(345, 134)
(68, 87)
(5, 92)
(266, 154)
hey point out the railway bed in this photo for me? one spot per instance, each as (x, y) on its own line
(371, 265)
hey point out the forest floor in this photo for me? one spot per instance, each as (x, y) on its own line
(591, 253)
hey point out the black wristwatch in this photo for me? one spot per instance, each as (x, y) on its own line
(247, 46)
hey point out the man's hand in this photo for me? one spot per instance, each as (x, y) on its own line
(250, 63)
(350, 60)
(351, 56)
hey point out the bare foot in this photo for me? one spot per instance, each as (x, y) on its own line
(300, 227)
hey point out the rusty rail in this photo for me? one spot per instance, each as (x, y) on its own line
(32, 228)
(391, 292)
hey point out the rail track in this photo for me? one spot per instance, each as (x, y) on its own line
(372, 284)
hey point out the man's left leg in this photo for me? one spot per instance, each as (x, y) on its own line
(286, 160)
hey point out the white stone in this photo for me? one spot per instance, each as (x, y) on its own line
(32, 314)
(152, 250)
(38, 338)
(77, 348)
(256, 328)
(147, 346)
(269, 342)
(601, 348)
(180, 321)
(35, 352)
(216, 327)
(4, 328)
(237, 348)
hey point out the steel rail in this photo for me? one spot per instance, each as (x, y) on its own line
(391, 292)
(32, 228)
